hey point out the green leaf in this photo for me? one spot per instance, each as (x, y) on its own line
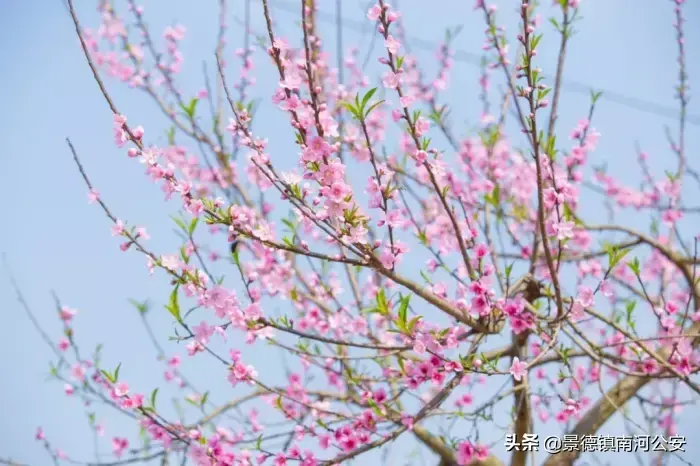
(173, 306)
(193, 225)
(509, 270)
(368, 96)
(401, 365)
(183, 255)
(496, 195)
(374, 407)
(355, 110)
(550, 148)
(171, 136)
(654, 227)
(142, 308)
(116, 372)
(372, 107)
(382, 304)
(403, 312)
(413, 323)
(569, 214)
(179, 223)
(634, 265)
(555, 24)
(154, 394)
(565, 354)
(535, 41)
(615, 256)
(289, 224)
(467, 362)
(190, 108)
(629, 309)
(108, 376)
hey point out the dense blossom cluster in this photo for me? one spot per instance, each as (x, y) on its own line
(516, 286)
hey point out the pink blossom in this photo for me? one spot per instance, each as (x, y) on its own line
(118, 228)
(121, 389)
(390, 80)
(518, 369)
(194, 347)
(93, 196)
(564, 230)
(119, 444)
(374, 12)
(66, 313)
(203, 332)
(78, 372)
(392, 45)
(465, 453)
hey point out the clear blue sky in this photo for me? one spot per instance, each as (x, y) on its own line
(54, 240)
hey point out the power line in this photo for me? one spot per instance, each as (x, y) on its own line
(471, 58)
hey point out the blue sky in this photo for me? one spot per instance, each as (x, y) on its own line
(55, 241)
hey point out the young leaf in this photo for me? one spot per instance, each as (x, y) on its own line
(509, 270)
(403, 312)
(372, 107)
(179, 223)
(154, 394)
(171, 136)
(634, 265)
(375, 408)
(189, 109)
(173, 306)
(412, 324)
(193, 225)
(368, 96)
(236, 258)
(107, 375)
(141, 307)
(382, 304)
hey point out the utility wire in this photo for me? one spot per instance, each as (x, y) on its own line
(471, 58)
